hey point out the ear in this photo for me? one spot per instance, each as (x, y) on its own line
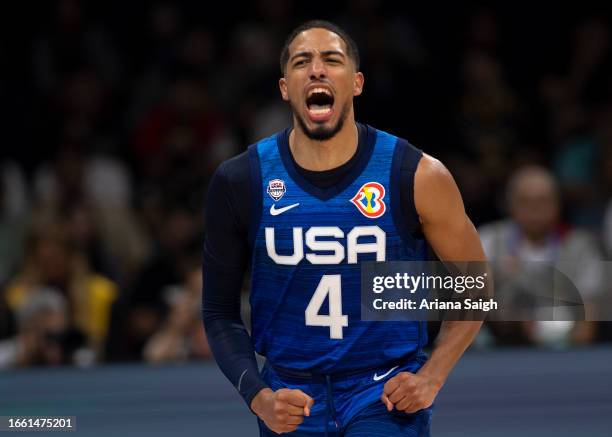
(358, 84)
(282, 85)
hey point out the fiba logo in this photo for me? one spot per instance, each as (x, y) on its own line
(276, 189)
(369, 200)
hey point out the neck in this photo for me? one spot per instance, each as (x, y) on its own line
(324, 155)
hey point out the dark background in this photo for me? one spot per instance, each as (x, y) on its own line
(164, 91)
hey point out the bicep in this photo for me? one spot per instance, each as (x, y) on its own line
(225, 253)
(444, 221)
(225, 243)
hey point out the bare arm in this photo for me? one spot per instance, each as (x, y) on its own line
(453, 237)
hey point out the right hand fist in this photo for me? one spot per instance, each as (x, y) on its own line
(282, 410)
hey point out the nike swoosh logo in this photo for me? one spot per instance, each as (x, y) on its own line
(274, 211)
(240, 380)
(378, 378)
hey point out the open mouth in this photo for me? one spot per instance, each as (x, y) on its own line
(320, 104)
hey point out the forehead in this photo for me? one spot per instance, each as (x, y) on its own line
(534, 185)
(316, 40)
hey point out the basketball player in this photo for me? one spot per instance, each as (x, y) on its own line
(303, 208)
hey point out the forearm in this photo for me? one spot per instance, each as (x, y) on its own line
(226, 253)
(232, 348)
(229, 340)
(453, 339)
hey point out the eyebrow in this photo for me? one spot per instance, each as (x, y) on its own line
(323, 53)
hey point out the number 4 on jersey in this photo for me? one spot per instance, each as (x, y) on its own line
(329, 285)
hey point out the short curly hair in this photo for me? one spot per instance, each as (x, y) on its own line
(351, 47)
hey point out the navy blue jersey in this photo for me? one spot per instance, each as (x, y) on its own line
(307, 245)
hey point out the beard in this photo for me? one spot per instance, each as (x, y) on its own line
(322, 133)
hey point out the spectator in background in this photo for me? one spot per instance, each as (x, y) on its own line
(84, 234)
(576, 100)
(14, 207)
(178, 144)
(578, 167)
(582, 80)
(52, 260)
(94, 192)
(163, 88)
(181, 336)
(45, 335)
(606, 172)
(488, 117)
(184, 128)
(145, 307)
(534, 233)
(72, 38)
(608, 230)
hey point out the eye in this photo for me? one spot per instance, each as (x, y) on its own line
(299, 63)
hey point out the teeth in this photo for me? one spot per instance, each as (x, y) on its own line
(319, 90)
(320, 111)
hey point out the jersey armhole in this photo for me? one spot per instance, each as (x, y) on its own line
(256, 200)
(405, 217)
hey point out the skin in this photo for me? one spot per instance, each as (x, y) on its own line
(535, 206)
(319, 57)
(534, 203)
(453, 237)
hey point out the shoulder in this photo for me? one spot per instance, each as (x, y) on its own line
(408, 153)
(494, 237)
(235, 170)
(436, 195)
(102, 289)
(411, 155)
(433, 177)
(229, 193)
(577, 242)
(16, 293)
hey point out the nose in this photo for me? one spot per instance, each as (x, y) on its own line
(317, 69)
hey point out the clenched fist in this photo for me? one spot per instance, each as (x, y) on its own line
(409, 392)
(282, 410)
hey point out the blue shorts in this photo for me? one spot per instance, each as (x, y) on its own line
(349, 405)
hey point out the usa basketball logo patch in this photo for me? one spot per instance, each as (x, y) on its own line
(276, 189)
(369, 200)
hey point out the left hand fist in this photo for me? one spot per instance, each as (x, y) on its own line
(409, 392)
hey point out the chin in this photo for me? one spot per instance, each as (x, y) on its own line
(322, 131)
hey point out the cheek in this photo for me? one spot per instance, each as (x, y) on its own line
(348, 87)
(291, 92)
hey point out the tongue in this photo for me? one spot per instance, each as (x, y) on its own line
(320, 113)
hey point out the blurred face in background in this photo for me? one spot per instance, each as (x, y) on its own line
(534, 202)
(179, 230)
(43, 324)
(50, 254)
(193, 282)
(52, 325)
(81, 225)
(320, 82)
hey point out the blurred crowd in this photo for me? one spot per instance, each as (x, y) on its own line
(117, 114)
